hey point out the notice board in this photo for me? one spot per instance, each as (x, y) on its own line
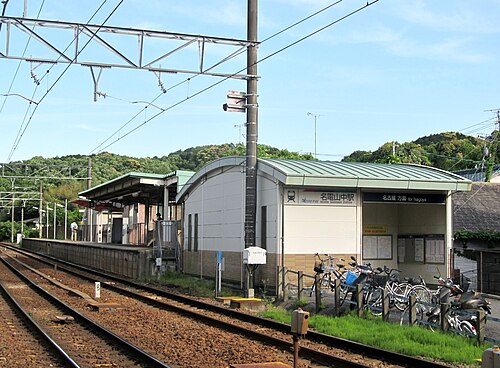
(377, 246)
(421, 249)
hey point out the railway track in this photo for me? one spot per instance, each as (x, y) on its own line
(319, 348)
(79, 340)
(33, 347)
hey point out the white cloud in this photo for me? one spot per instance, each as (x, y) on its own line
(452, 16)
(451, 50)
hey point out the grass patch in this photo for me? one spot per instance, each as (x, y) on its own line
(189, 284)
(407, 340)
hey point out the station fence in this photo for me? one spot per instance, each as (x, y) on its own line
(291, 286)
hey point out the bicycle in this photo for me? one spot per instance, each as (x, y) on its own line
(328, 268)
(397, 292)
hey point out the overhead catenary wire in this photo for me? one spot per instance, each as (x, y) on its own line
(368, 4)
(61, 75)
(20, 61)
(187, 80)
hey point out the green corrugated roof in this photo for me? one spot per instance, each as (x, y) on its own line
(347, 174)
(183, 177)
(362, 175)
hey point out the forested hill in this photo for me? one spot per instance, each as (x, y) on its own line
(107, 166)
(448, 151)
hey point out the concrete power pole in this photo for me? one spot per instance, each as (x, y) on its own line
(251, 149)
(252, 117)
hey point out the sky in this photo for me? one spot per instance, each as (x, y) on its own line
(394, 71)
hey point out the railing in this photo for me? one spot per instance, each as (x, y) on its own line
(291, 286)
(136, 234)
(166, 245)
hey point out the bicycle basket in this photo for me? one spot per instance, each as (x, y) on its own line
(350, 278)
(318, 267)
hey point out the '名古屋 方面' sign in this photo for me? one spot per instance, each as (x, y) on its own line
(404, 198)
(320, 197)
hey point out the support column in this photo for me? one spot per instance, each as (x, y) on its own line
(252, 116)
(251, 148)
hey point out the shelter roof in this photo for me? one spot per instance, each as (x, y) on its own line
(478, 209)
(347, 175)
(136, 187)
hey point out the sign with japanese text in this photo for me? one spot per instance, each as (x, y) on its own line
(320, 197)
(418, 198)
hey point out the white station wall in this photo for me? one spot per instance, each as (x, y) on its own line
(219, 204)
(268, 192)
(320, 229)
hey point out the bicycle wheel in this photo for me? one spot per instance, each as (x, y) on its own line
(423, 297)
(324, 281)
(373, 301)
(400, 296)
(466, 327)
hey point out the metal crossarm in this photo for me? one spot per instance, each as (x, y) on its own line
(39, 171)
(96, 33)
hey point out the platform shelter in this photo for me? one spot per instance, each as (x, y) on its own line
(398, 215)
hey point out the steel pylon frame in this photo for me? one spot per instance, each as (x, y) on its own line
(18, 170)
(96, 33)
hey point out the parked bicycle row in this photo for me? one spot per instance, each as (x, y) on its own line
(380, 290)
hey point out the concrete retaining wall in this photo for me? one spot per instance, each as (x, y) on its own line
(125, 261)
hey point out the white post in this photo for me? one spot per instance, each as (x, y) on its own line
(97, 290)
(22, 219)
(55, 225)
(12, 220)
(65, 219)
(47, 214)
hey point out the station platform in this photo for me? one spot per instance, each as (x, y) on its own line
(123, 260)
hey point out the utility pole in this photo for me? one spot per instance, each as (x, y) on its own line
(89, 211)
(315, 116)
(40, 211)
(493, 149)
(252, 131)
(252, 117)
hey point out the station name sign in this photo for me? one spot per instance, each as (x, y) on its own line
(418, 198)
(320, 197)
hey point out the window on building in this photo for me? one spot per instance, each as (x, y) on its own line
(195, 232)
(190, 234)
(263, 227)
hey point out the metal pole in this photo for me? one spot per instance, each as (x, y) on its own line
(47, 215)
(88, 210)
(252, 120)
(40, 211)
(12, 219)
(315, 116)
(22, 219)
(315, 135)
(165, 202)
(65, 219)
(55, 224)
(295, 350)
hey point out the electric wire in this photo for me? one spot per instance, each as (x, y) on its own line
(19, 135)
(368, 4)
(117, 131)
(61, 75)
(20, 61)
(5, 2)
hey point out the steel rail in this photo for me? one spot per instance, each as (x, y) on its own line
(36, 329)
(126, 346)
(332, 341)
(304, 352)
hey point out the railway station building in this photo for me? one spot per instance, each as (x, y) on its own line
(398, 215)
(124, 210)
